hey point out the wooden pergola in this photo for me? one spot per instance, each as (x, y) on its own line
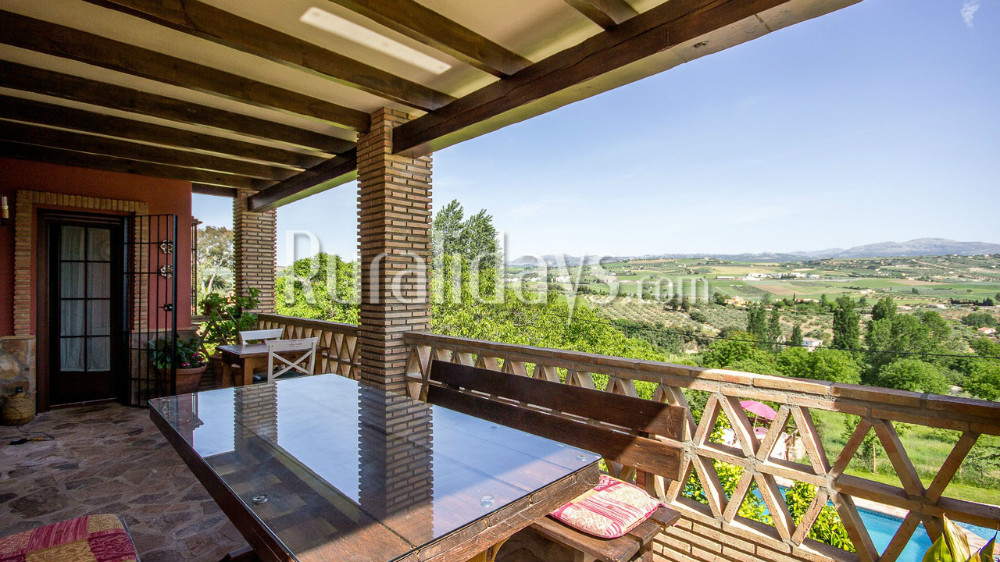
(269, 102)
(244, 96)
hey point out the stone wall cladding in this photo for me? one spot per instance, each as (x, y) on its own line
(255, 247)
(17, 365)
(394, 222)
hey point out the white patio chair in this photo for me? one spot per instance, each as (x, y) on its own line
(304, 351)
(248, 336)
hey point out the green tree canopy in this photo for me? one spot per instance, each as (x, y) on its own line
(796, 338)
(323, 287)
(846, 331)
(984, 379)
(884, 308)
(741, 352)
(914, 375)
(823, 364)
(215, 259)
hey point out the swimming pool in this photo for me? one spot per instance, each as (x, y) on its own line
(882, 527)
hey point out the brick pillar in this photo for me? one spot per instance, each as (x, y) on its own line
(255, 246)
(394, 199)
(396, 461)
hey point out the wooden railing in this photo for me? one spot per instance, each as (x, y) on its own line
(338, 350)
(715, 531)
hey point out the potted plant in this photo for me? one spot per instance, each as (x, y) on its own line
(953, 546)
(185, 355)
(226, 316)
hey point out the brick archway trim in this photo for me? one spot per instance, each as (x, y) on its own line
(24, 234)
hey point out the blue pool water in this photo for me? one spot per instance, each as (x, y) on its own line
(882, 527)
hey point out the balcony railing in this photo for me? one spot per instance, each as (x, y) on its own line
(715, 531)
(337, 349)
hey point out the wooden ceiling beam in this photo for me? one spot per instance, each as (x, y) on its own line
(647, 34)
(111, 164)
(222, 27)
(605, 13)
(66, 42)
(329, 174)
(94, 144)
(215, 190)
(431, 28)
(30, 111)
(69, 87)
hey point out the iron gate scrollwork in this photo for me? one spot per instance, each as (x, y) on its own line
(152, 312)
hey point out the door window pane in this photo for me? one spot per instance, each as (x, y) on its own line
(72, 244)
(71, 280)
(99, 244)
(99, 280)
(71, 354)
(98, 354)
(71, 319)
(99, 318)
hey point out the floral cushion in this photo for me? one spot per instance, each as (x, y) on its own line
(609, 510)
(95, 538)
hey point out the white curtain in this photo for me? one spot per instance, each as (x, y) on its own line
(89, 278)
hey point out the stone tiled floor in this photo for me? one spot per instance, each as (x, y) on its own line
(110, 459)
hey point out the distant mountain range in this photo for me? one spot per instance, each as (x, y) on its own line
(918, 247)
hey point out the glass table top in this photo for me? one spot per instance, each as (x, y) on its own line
(324, 460)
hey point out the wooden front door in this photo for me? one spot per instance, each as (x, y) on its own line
(84, 308)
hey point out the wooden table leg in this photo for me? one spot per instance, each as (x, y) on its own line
(248, 364)
(227, 374)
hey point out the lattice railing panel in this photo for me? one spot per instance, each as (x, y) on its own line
(875, 409)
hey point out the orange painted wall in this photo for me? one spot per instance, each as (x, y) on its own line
(162, 197)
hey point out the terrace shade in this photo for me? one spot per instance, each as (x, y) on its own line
(244, 96)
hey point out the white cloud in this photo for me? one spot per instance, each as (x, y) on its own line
(969, 9)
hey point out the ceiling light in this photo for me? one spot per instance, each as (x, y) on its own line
(363, 36)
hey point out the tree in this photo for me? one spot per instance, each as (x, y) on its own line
(890, 337)
(447, 229)
(473, 239)
(823, 364)
(774, 329)
(984, 380)
(742, 353)
(846, 332)
(913, 375)
(979, 320)
(884, 308)
(215, 259)
(323, 287)
(757, 322)
(797, 335)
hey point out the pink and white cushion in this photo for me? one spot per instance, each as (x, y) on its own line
(609, 510)
(94, 538)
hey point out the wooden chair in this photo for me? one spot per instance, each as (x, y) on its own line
(304, 351)
(248, 336)
(626, 431)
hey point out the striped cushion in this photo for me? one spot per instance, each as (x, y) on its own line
(609, 510)
(95, 538)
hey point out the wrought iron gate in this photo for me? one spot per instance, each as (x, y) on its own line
(151, 286)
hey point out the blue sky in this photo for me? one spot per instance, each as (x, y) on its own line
(878, 122)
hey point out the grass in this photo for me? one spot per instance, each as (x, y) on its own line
(927, 448)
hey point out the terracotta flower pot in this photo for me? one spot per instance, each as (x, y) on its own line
(189, 379)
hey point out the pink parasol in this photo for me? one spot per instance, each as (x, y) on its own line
(756, 408)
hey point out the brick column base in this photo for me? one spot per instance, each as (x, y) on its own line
(255, 248)
(394, 220)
